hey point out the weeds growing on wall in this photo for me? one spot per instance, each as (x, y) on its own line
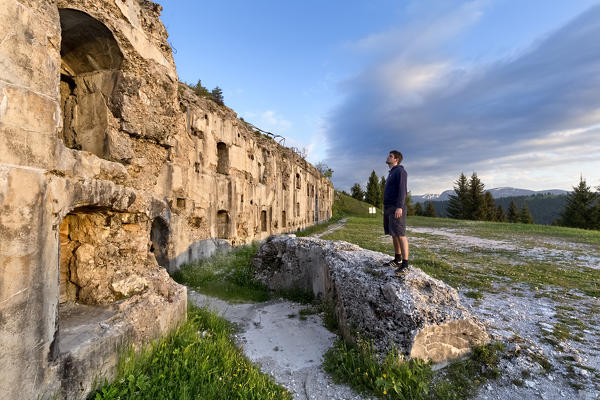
(198, 361)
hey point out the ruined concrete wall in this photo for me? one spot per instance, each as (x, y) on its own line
(232, 182)
(111, 170)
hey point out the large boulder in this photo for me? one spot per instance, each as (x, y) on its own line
(415, 314)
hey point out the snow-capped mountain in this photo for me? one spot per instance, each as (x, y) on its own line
(496, 193)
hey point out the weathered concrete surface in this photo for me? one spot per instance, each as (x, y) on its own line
(111, 174)
(418, 315)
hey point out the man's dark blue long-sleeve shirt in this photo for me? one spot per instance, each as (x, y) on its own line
(394, 193)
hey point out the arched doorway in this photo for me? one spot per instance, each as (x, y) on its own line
(90, 64)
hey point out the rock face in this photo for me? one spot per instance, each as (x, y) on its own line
(111, 174)
(418, 315)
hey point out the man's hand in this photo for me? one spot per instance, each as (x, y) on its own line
(398, 213)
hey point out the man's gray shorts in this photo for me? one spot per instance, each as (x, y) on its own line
(394, 226)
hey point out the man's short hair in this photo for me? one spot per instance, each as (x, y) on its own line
(397, 155)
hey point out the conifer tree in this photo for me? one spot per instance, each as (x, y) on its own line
(372, 194)
(458, 203)
(217, 95)
(524, 215)
(579, 211)
(356, 192)
(513, 212)
(596, 211)
(500, 216)
(477, 208)
(489, 207)
(410, 208)
(418, 209)
(381, 190)
(429, 210)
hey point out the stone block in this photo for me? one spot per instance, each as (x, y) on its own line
(418, 315)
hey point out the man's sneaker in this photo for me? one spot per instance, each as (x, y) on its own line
(392, 264)
(401, 268)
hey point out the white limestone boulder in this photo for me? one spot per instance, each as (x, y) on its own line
(416, 314)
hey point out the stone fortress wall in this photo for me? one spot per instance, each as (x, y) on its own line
(111, 174)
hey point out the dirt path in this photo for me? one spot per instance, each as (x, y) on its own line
(284, 346)
(334, 227)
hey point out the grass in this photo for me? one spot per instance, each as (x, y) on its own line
(227, 276)
(343, 206)
(197, 361)
(481, 268)
(395, 378)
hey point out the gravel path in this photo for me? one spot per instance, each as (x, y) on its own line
(334, 227)
(284, 346)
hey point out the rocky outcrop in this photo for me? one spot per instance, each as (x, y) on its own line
(420, 316)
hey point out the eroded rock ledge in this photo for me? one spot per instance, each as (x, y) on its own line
(420, 316)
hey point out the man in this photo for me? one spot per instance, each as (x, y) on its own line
(394, 210)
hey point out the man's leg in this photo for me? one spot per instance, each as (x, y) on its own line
(403, 244)
(397, 244)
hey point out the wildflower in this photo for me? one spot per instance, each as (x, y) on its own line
(385, 392)
(384, 376)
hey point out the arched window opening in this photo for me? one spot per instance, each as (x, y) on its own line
(222, 158)
(263, 221)
(298, 181)
(90, 63)
(159, 237)
(222, 224)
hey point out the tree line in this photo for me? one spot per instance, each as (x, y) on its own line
(374, 195)
(470, 201)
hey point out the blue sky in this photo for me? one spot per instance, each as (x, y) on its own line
(508, 89)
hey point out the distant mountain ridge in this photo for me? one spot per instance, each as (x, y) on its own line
(497, 193)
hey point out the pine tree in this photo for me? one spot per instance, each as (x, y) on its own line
(458, 203)
(418, 209)
(217, 95)
(477, 208)
(410, 208)
(357, 192)
(489, 207)
(500, 216)
(372, 194)
(381, 190)
(429, 210)
(579, 211)
(525, 216)
(513, 212)
(596, 212)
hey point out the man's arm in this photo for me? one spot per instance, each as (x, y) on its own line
(401, 194)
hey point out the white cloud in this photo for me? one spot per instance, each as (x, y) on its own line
(268, 120)
(532, 117)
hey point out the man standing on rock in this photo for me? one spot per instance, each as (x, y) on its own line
(394, 210)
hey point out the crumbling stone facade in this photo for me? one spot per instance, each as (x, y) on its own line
(112, 174)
